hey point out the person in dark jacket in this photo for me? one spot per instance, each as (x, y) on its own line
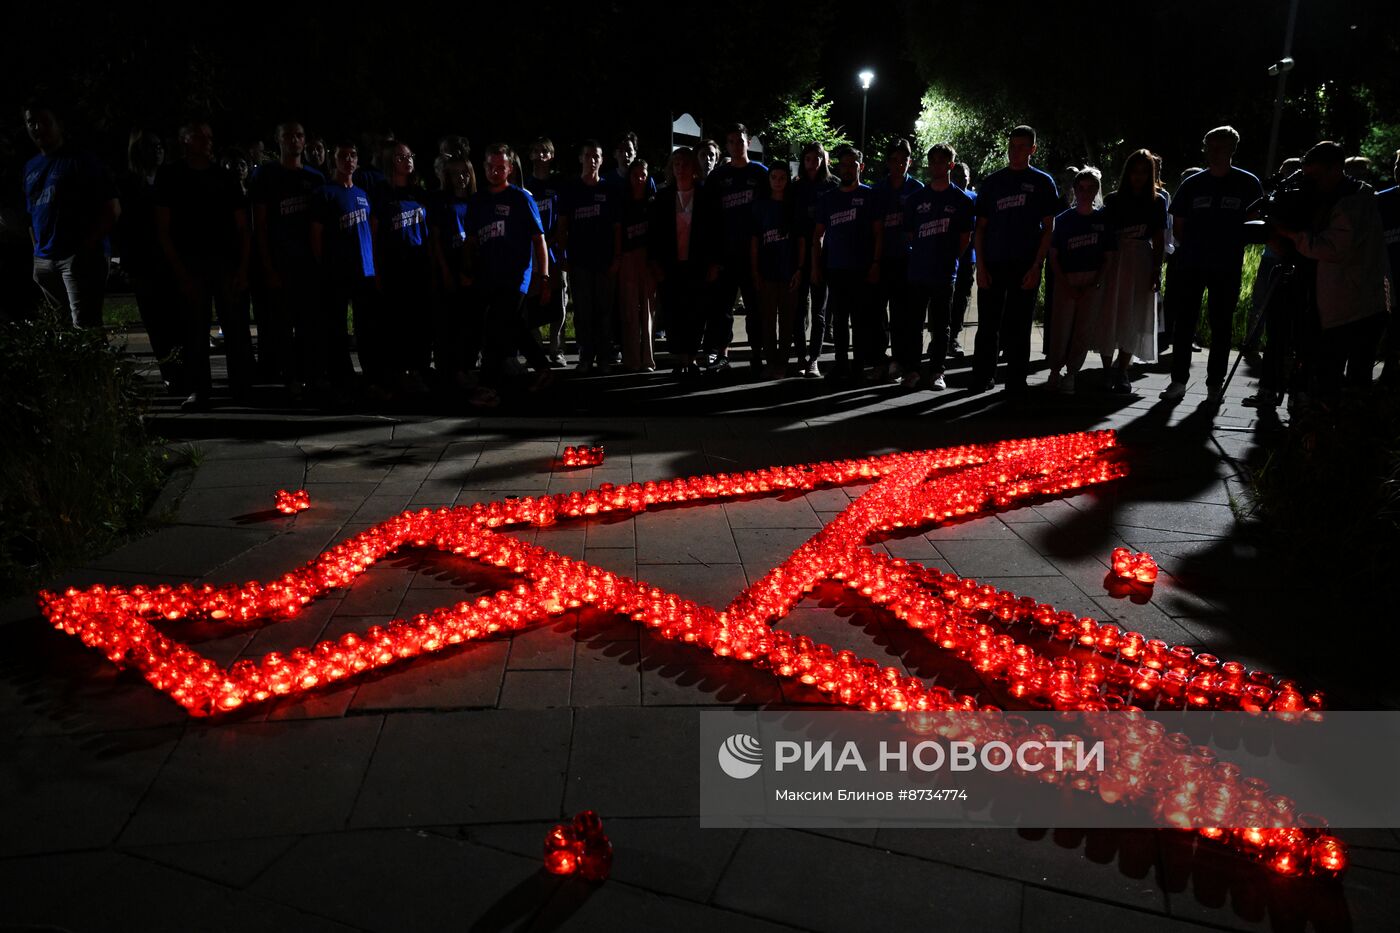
(681, 247)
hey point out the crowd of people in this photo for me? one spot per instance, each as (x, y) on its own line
(451, 277)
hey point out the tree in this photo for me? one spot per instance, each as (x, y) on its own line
(977, 132)
(801, 121)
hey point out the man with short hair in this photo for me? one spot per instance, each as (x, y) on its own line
(961, 176)
(1208, 216)
(625, 151)
(734, 187)
(890, 194)
(586, 216)
(342, 240)
(849, 237)
(1016, 208)
(938, 223)
(73, 206)
(544, 185)
(203, 229)
(281, 193)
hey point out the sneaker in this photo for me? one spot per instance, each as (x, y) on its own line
(1173, 393)
(556, 360)
(1122, 385)
(813, 371)
(896, 371)
(1053, 381)
(937, 383)
(1215, 395)
(721, 365)
(1066, 386)
(1262, 399)
(955, 350)
(910, 381)
(196, 402)
(983, 385)
(512, 366)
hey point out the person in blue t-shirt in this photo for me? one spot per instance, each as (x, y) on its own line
(342, 240)
(777, 257)
(967, 269)
(1388, 202)
(814, 180)
(1079, 250)
(544, 184)
(938, 226)
(505, 248)
(1137, 219)
(405, 267)
(458, 331)
(890, 193)
(587, 257)
(282, 192)
(73, 206)
(846, 246)
(734, 186)
(1208, 216)
(1016, 208)
(625, 150)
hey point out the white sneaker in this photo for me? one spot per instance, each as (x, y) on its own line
(1174, 392)
(813, 371)
(1066, 386)
(910, 381)
(896, 371)
(937, 383)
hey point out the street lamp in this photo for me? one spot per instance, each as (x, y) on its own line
(1280, 70)
(867, 77)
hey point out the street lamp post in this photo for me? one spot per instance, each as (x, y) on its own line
(1281, 68)
(867, 77)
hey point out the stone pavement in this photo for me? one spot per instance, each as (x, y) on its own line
(417, 799)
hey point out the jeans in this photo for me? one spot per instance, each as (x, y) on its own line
(811, 301)
(76, 284)
(735, 280)
(594, 312)
(891, 301)
(771, 328)
(927, 303)
(215, 286)
(505, 332)
(1185, 286)
(1004, 318)
(850, 302)
(962, 295)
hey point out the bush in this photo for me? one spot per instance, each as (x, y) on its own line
(76, 467)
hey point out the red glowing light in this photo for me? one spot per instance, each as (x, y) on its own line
(1138, 568)
(290, 503)
(579, 846)
(583, 456)
(996, 631)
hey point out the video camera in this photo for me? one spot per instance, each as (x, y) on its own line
(1288, 202)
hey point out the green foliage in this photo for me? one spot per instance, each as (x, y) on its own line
(1244, 305)
(76, 467)
(802, 120)
(976, 131)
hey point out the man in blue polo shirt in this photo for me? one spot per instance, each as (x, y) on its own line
(281, 193)
(72, 204)
(342, 239)
(1208, 216)
(733, 187)
(847, 243)
(588, 257)
(890, 193)
(1016, 208)
(938, 225)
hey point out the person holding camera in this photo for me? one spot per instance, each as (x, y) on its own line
(1347, 241)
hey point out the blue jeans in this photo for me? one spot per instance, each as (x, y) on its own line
(76, 284)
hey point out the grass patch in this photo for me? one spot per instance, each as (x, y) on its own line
(1239, 324)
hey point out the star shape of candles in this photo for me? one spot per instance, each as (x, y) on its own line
(1083, 666)
(1138, 568)
(291, 502)
(583, 456)
(579, 847)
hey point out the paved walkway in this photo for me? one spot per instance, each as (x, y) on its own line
(417, 799)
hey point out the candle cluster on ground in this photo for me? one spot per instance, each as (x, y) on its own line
(1002, 635)
(291, 502)
(583, 456)
(1138, 568)
(579, 847)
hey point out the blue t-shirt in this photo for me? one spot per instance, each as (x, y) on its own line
(1214, 210)
(1388, 202)
(848, 217)
(505, 225)
(403, 225)
(1014, 204)
(447, 215)
(778, 232)
(347, 242)
(620, 181)
(64, 192)
(970, 256)
(1135, 218)
(934, 222)
(809, 193)
(735, 189)
(371, 181)
(1080, 240)
(890, 204)
(545, 191)
(285, 194)
(590, 209)
(634, 216)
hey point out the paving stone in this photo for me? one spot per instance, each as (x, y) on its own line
(619, 560)
(1178, 516)
(256, 779)
(186, 550)
(463, 676)
(994, 558)
(232, 862)
(697, 534)
(1142, 617)
(376, 592)
(772, 512)
(772, 872)
(606, 675)
(277, 556)
(466, 767)
(612, 532)
(273, 473)
(986, 528)
(544, 647)
(102, 891)
(714, 585)
(525, 466)
(762, 549)
(398, 879)
(1051, 911)
(913, 547)
(635, 762)
(234, 506)
(708, 683)
(535, 689)
(578, 907)
(1057, 591)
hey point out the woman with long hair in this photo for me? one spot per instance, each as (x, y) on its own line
(779, 248)
(1137, 219)
(636, 285)
(1079, 251)
(814, 179)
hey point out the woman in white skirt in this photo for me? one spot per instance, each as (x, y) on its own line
(1137, 217)
(1079, 250)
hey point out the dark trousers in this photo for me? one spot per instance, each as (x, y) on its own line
(850, 308)
(1346, 355)
(595, 313)
(683, 293)
(330, 338)
(458, 331)
(1185, 286)
(891, 302)
(735, 280)
(504, 332)
(406, 307)
(932, 304)
(962, 295)
(1004, 317)
(160, 314)
(213, 286)
(811, 307)
(289, 313)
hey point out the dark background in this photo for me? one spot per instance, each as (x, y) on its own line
(1094, 78)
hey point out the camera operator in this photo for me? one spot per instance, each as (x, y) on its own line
(1347, 240)
(1283, 288)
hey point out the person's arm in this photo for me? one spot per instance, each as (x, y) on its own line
(1031, 280)
(167, 247)
(375, 249)
(105, 222)
(1055, 269)
(753, 260)
(801, 259)
(878, 224)
(541, 248)
(1159, 250)
(1333, 243)
(469, 248)
(818, 246)
(561, 239)
(245, 249)
(984, 278)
